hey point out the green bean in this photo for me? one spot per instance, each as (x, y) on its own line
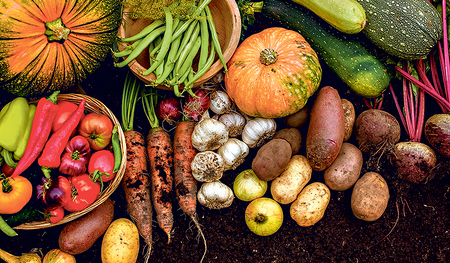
(184, 76)
(194, 15)
(215, 39)
(145, 31)
(186, 37)
(190, 57)
(139, 48)
(116, 148)
(155, 47)
(205, 41)
(187, 49)
(203, 70)
(165, 44)
(160, 69)
(6, 228)
(127, 50)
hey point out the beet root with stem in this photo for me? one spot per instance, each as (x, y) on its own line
(437, 133)
(414, 161)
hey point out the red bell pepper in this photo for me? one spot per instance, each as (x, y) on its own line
(40, 131)
(51, 155)
(76, 156)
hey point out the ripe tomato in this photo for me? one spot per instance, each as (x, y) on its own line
(66, 108)
(14, 194)
(55, 215)
(84, 192)
(7, 170)
(103, 161)
(97, 128)
(76, 156)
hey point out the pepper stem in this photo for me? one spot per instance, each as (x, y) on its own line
(54, 97)
(46, 171)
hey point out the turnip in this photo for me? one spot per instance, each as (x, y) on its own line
(376, 130)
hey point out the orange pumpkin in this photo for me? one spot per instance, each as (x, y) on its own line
(273, 73)
(48, 45)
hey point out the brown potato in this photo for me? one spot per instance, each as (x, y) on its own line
(346, 168)
(370, 197)
(286, 187)
(350, 117)
(310, 205)
(271, 159)
(293, 136)
(298, 119)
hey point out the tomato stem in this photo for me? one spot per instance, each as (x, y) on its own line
(6, 186)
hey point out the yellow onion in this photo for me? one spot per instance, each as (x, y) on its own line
(31, 257)
(58, 256)
(247, 186)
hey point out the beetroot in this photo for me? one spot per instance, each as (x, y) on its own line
(437, 133)
(414, 161)
(375, 129)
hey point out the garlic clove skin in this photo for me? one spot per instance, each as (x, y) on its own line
(258, 131)
(220, 102)
(234, 122)
(207, 166)
(215, 195)
(209, 134)
(233, 153)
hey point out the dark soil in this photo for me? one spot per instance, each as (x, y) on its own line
(414, 228)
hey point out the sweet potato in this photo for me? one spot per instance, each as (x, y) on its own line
(271, 159)
(326, 129)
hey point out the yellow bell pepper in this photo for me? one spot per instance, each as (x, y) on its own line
(20, 150)
(13, 122)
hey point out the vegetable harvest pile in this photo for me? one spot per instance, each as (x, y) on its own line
(326, 131)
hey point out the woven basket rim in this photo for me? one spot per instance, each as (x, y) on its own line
(91, 105)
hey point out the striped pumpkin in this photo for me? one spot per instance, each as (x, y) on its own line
(48, 45)
(273, 73)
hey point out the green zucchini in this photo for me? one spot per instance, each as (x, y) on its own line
(407, 29)
(348, 58)
(347, 16)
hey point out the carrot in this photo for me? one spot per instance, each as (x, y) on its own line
(160, 156)
(135, 181)
(185, 183)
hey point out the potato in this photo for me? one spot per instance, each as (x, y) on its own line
(346, 168)
(310, 205)
(350, 117)
(80, 234)
(326, 129)
(298, 119)
(293, 136)
(286, 187)
(121, 242)
(271, 159)
(370, 197)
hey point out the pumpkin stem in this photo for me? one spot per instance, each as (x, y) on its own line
(56, 31)
(268, 56)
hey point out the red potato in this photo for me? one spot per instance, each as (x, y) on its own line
(350, 117)
(326, 129)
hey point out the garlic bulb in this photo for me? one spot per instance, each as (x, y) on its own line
(234, 122)
(215, 195)
(207, 166)
(220, 102)
(209, 134)
(233, 153)
(258, 131)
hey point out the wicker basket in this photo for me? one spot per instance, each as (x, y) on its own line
(92, 105)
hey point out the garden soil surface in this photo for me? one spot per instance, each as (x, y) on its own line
(414, 228)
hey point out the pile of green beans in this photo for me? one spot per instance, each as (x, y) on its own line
(173, 44)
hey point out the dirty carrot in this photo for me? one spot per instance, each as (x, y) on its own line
(46, 111)
(135, 181)
(185, 183)
(160, 156)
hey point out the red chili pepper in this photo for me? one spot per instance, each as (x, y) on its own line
(51, 155)
(40, 131)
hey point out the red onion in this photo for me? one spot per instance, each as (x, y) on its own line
(195, 107)
(168, 109)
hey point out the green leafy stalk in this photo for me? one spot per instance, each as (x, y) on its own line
(130, 97)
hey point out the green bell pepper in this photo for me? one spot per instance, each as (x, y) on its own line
(13, 123)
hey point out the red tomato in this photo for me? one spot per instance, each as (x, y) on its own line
(14, 194)
(66, 108)
(103, 161)
(84, 192)
(7, 170)
(55, 215)
(97, 128)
